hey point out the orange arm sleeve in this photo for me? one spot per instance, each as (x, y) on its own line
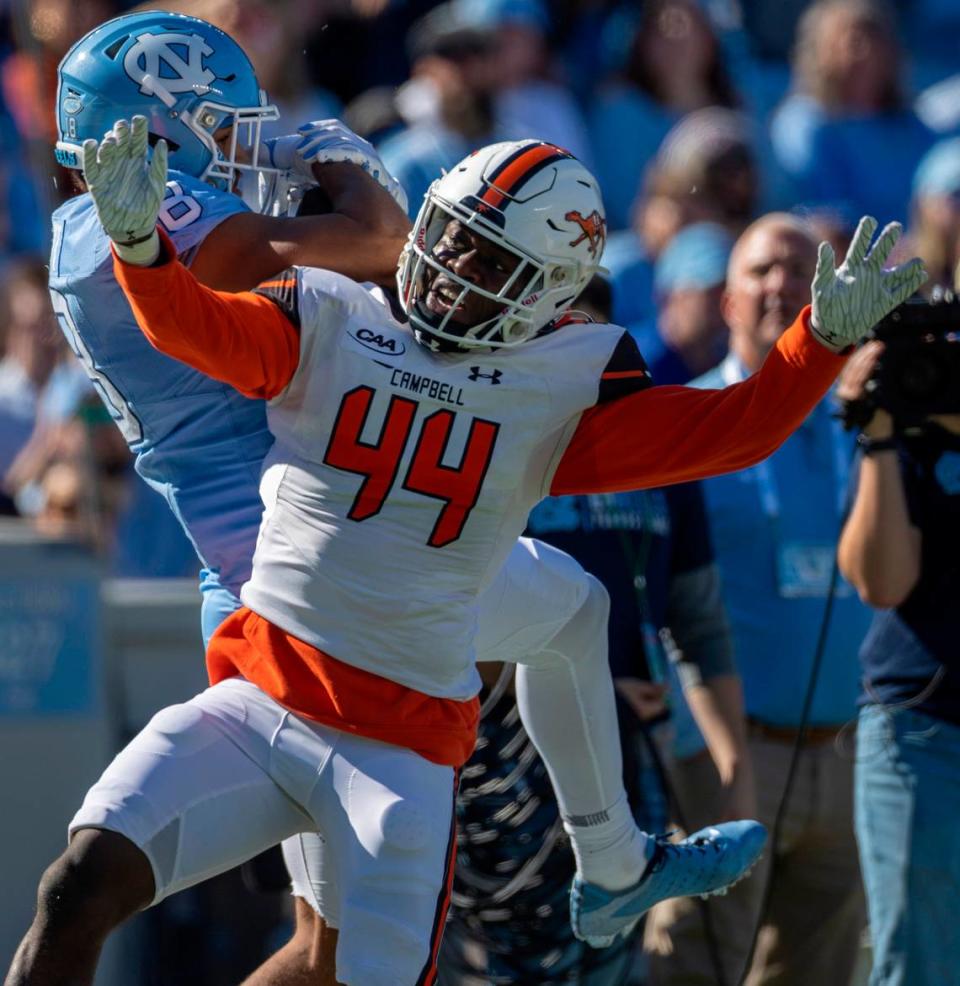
(243, 339)
(669, 435)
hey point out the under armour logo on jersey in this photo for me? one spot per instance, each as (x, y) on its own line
(175, 61)
(593, 228)
(494, 376)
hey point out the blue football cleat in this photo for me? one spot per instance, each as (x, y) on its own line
(707, 862)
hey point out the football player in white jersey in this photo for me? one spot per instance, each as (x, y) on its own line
(200, 444)
(396, 681)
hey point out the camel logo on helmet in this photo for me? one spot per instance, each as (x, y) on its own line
(593, 228)
(173, 60)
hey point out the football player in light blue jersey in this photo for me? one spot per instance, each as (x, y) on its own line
(198, 442)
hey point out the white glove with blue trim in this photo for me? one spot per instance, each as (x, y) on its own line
(328, 142)
(849, 301)
(127, 187)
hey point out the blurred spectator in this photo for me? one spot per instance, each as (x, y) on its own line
(71, 479)
(704, 172)
(774, 529)
(31, 344)
(448, 103)
(847, 135)
(61, 515)
(830, 225)
(22, 224)
(674, 67)
(770, 27)
(689, 335)
(373, 114)
(592, 39)
(273, 34)
(935, 214)
(529, 101)
(899, 548)
(929, 30)
(43, 30)
(63, 463)
(360, 44)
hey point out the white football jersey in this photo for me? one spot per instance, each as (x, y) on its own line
(400, 479)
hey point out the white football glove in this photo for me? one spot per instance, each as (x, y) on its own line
(328, 142)
(849, 301)
(127, 187)
(280, 193)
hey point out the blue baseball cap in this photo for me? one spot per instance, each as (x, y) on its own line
(695, 258)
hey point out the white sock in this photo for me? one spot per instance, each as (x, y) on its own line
(609, 848)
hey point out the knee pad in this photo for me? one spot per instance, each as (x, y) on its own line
(378, 950)
(582, 641)
(404, 826)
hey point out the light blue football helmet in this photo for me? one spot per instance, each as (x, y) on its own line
(187, 77)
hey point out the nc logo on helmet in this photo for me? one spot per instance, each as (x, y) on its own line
(175, 60)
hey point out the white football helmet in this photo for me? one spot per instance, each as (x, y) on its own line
(528, 197)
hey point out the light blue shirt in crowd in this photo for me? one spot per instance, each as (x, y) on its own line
(417, 156)
(775, 637)
(627, 128)
(834, 160)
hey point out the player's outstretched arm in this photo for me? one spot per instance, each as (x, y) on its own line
(674, 434)
(361, 236)
(127, 187)
(242, 339)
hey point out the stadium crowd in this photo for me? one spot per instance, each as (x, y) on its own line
(729, 137)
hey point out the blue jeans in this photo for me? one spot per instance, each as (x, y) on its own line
(907, 811)
(216, 604)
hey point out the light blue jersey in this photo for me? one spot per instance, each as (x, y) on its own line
(198, 442)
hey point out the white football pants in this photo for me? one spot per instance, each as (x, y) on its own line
(214, 781)
(548, 616)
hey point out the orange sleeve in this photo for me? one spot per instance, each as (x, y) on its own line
(242, 339)
(667, 435)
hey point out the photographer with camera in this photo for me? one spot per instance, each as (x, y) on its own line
(899, 548)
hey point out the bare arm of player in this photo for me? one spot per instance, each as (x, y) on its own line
(361, 237)
(666, 435)
(880, 549)
(242, 339)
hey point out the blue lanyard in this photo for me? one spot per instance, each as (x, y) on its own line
(732, 371)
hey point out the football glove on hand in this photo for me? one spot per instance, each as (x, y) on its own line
(849, 301)
(127, 188)
(328, 142)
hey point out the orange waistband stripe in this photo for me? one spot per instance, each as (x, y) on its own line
(317, 686)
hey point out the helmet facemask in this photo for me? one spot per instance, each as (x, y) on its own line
(528, 291)
(226, 168)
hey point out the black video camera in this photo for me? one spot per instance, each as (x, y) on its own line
(919, 371)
